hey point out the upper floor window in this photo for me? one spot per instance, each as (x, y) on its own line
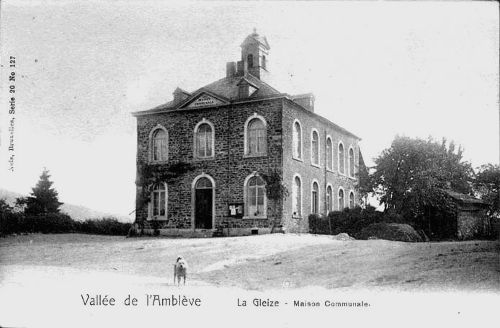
(256, 197)
(351, 199)
(297, 140)
(351, 162)
(341, 199)
(204, 140)
(250, 60)
(255, 137)
(329, 199)
(341, 159)
(159, 145)
(297, 197)
(315, 147)
(158, 206)
(329, 153)
(315, 198)
(264, 64)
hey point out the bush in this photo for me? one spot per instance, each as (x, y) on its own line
(390, 231)
(11, 223)
(106, 226)
(350, 221)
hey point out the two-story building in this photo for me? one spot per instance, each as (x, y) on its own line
(237, 138)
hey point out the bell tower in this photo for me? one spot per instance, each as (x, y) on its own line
(255, 55)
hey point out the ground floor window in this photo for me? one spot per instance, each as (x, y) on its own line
(329, 199)
(315, 198)
(256, 197)
(351, 200)
(297, 197)
(159, 201)
(341, 199)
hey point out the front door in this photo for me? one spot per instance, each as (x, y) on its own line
(203, 204)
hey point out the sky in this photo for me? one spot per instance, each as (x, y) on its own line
(378, 69)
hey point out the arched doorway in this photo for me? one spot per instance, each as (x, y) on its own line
(203, 203)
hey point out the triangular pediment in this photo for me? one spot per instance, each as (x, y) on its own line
(204, 99)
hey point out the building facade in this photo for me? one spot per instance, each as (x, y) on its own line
(237, 157)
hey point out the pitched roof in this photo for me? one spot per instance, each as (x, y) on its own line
(226, 88)
(463, 198)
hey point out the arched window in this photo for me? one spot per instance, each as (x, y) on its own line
(297, 140)
(315, 198)
(158, 208)
(329, 199)
(256, 137)
(351, 162)
(341, 159)
(204, 140)
(315, 147)
(341, 199)
(351, 199)
(159, 145)
(250, 60)
(329, 153)
(297, 197)
(256, 197)
(203, 183)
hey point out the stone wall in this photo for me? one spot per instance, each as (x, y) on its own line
(471, 224)
(228, 168)
(308, 172)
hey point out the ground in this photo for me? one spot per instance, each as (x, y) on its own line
(262, 262)
(45, 278)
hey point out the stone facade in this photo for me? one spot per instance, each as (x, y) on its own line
(228, 105)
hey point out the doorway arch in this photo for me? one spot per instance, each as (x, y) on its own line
(203, 202)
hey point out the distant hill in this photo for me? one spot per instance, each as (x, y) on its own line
(76, 212)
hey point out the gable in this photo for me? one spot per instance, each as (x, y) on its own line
(204, 99)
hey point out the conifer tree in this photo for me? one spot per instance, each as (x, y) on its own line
(44, 199)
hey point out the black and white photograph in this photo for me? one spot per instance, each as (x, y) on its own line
(249, 163)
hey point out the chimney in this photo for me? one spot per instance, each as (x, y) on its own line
(242, 68)
(230, 69)
(305, 100)
(180, 95)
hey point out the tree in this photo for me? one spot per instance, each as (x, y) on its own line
(43, 199)
(365, 181)
(487, 186)
(5, 207)
(413, 174)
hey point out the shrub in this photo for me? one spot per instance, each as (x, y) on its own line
(318, 224)
(390, 231)
(350, 221)
(105, 226)
(11, 222)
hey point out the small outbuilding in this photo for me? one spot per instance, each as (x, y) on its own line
(468, 221)
(471, 218)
